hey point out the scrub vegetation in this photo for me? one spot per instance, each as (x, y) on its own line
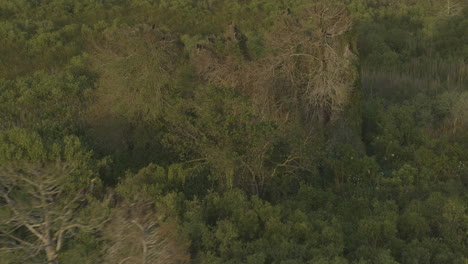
(234, 131)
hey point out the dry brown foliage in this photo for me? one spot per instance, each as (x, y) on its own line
(137, 235)
(309, 66)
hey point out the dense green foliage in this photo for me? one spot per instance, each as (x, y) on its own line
(234, 131)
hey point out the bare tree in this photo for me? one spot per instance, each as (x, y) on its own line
(313, 56)
(257, 171)
(42, 209)
(138, 235)
(309, 67)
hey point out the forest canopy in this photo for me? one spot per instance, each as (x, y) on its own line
(234, 131)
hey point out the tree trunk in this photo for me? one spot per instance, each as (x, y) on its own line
(51, 254)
